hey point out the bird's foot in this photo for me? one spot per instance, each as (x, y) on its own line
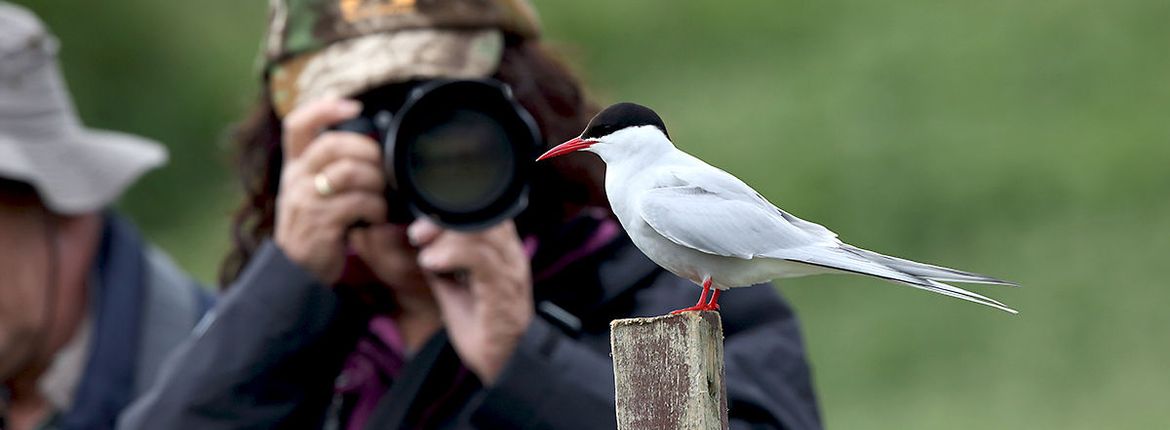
(697, 308)
(703, 304)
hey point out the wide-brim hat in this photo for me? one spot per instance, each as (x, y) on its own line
(42, 142)
(340, 48)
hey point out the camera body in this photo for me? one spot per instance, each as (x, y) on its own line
(457, 151)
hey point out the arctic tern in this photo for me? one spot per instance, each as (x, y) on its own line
(705, 225)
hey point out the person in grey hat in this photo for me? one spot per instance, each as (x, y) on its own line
(88, 309)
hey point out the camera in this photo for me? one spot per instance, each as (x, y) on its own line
(457, 151)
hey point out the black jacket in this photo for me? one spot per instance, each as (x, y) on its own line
(268, 354)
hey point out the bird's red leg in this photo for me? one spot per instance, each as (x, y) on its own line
(713, 305)
(702, 305)
(703, 295)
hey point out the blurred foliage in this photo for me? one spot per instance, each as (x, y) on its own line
(1026, 140)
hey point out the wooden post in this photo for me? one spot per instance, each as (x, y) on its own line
(669, 372)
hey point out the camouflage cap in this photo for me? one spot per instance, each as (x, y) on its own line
(324, 48)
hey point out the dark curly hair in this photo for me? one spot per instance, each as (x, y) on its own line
(542, 83)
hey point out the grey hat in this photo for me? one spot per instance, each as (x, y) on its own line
(42, 142)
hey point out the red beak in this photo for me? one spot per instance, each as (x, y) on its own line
(573, 145)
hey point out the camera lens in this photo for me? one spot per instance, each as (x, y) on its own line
(459, 151)
(460, 160)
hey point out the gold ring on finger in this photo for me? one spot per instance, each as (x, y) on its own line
(324, 188)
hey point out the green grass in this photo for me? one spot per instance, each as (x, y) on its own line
(1025, 140)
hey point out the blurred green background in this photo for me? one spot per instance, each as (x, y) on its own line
(1026, 140)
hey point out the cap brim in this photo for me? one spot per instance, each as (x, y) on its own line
(84, 173)
(349, 67)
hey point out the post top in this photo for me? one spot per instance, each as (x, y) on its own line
(709, 317)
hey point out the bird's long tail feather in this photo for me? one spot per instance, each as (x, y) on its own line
(922, 276)
(928, 271)
(959, 293)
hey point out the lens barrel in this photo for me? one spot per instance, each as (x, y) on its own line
(457, 151)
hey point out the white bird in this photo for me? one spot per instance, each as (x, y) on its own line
(704, 224)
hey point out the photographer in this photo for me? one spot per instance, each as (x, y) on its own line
(347, 309)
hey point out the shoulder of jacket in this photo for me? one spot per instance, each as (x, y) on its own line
(172, 305)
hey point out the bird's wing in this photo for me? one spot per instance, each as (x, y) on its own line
(727, 184)
(711, 211)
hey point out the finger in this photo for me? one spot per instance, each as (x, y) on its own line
(349, 175)
(448, 250)
(422, 232)
(452, 253)
(336, 145)
(505, 240)
(345, 209)
(501, 241)
(458, 278)
(305, 122)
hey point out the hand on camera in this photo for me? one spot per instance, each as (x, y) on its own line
(330, 181)
(483, 284)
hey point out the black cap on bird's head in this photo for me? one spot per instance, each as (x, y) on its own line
(617, 117)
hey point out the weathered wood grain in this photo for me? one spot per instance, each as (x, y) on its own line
(669, 372)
